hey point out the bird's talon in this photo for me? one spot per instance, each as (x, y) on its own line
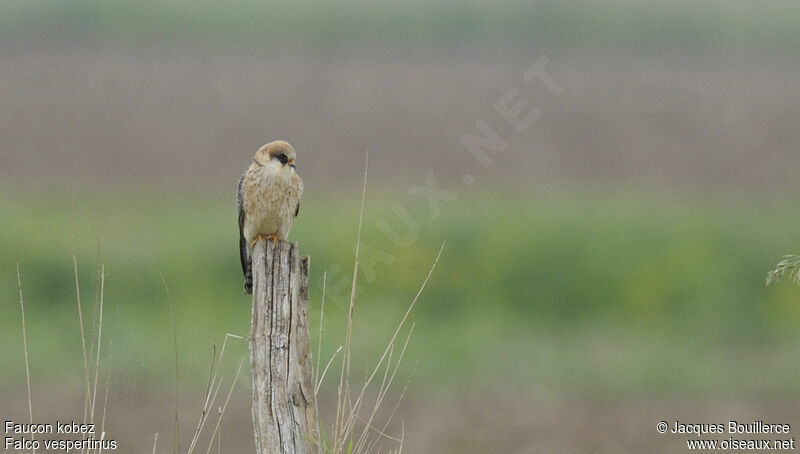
(271, 237)
(258, 238)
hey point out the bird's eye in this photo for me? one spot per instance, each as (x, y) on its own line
(282, 158)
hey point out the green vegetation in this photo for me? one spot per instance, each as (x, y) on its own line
(619, 25)
(605, 295)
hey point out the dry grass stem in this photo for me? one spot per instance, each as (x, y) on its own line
(99, 339)
(212, 389)
(83, 332)
(105, 399)
(224, 406)
(25, 349)
(344, 379)
(348, 410)
(790, 265)
(321, 378)
(319, 338)
(177, 438)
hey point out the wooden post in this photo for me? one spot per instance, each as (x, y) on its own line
(284, 407)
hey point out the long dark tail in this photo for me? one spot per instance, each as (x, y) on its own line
(247, 267)
(248, 280)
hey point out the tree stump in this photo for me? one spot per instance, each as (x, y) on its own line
(284, 407)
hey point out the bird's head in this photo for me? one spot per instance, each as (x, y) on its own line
(278, 154)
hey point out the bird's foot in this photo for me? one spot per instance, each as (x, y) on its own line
(271, 237)
(258, 238)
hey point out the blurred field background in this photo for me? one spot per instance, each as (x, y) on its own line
(604, 272)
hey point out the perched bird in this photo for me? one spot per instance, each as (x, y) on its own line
(268, 200)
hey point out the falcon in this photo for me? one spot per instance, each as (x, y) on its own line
(268, 200)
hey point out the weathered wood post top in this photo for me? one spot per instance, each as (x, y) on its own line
(284, 407)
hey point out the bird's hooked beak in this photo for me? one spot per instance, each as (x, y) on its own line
(291, 164)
